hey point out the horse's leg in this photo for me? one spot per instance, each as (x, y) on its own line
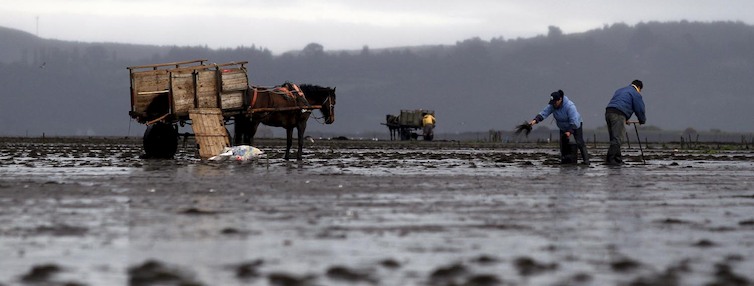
(241, 130)
(301, 128)
(288, 141)
(252, 130)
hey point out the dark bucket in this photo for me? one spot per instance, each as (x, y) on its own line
(571, 154)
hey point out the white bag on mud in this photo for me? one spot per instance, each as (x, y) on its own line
(238, 153)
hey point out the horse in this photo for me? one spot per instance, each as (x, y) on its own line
(393, 125)
(288, 106)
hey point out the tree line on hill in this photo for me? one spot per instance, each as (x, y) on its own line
(696, 75)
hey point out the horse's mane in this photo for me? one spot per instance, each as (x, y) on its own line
(315, 91)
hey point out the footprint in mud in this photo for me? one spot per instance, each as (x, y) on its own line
(527, 266)
(154, 272)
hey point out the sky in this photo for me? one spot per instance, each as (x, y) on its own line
(285, 25)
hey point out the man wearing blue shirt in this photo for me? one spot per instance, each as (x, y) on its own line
(569, 122)
(625, 102)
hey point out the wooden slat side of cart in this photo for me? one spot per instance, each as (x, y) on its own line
(189, 85)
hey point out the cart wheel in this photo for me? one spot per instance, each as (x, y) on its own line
(160, 141)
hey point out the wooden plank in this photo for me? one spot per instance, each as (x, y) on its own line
(191, 69)
(206, 90)
(153, 92)
(233, 80)
(233, 64)
(167, 64)
(146, 85)
(209, 131)
(182, 86)
(232, 100)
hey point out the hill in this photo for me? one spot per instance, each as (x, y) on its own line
(695, 74)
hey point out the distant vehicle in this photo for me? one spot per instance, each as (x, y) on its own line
(405, 125)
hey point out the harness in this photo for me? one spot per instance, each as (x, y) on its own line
(289, 90)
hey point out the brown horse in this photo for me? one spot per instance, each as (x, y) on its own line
(288, 106)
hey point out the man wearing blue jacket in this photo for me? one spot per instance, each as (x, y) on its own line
(625, 102)
(569, 122)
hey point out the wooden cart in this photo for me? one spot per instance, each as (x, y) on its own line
(407, 123)
(203, 94)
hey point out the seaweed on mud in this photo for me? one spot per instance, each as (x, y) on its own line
(749, 222)
(580, 278)
(61, 230)
(704, 243)
(390, 263)
(349, 275)
(249, 270)
(153, 272)
(283, 279)
(669, 277)
(724, 275)
(527, 266)
(485, 260)
(41, 273)
(673, 221)
(483, 280)
(744, 196)
(230, 231)
(624, 265)
(448, 275)
(198, 211)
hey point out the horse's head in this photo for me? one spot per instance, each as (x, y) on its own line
(329, 105)
(323, 96)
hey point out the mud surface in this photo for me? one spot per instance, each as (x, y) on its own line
(90, 212)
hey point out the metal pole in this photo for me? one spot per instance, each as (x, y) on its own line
(639, 139)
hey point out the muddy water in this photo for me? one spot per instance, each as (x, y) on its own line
(372, 213)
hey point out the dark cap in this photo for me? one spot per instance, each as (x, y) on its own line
(555, 96)
(638, 84)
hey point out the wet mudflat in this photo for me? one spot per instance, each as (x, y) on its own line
(90, 212)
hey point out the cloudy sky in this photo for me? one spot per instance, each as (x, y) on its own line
(284, 25)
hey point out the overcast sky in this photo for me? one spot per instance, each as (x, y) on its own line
(284, 25)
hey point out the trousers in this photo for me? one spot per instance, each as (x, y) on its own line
(578, 135)
(616, 127)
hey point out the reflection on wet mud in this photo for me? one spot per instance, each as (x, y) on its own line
(366, 213)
